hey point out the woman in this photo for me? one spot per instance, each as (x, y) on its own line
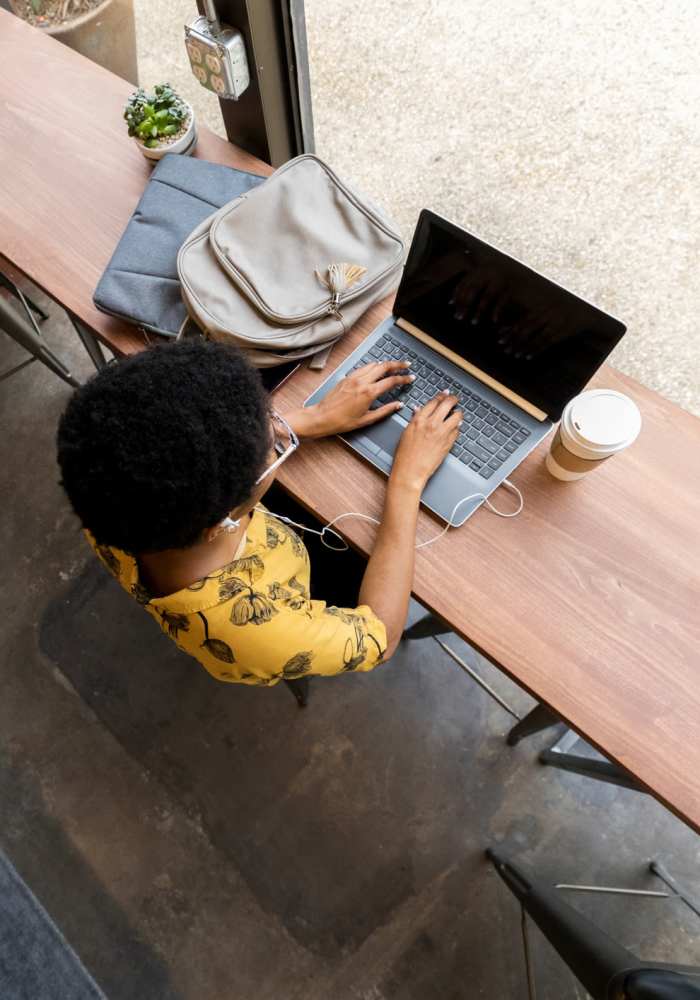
(165, 458)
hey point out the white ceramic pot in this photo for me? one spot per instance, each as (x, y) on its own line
(184, 145)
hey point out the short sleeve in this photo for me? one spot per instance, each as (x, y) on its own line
(328, 640)
(316, 639)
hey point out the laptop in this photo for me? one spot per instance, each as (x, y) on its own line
(513, 346)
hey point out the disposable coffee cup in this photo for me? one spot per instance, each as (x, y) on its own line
(594, 426)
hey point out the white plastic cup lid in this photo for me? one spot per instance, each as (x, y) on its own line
(600, 422)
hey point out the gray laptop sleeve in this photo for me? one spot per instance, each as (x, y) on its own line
(140, 283)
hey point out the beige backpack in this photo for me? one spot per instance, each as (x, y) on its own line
(286, 269)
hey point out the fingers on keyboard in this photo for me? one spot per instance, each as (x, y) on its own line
(487, 436)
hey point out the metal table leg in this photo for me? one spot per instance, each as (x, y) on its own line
(534, 722)
(560, 756)
(601, 770)
(90, 342)
(427, 626)
(538, 719)
(28, 303)
(29, 337)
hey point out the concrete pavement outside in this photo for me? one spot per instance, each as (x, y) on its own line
(567, 134)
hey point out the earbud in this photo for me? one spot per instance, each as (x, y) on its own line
(228, 524)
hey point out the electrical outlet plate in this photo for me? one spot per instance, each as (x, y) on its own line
(218, 60)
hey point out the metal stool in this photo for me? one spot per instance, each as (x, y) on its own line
(606, 969)
(28, 335)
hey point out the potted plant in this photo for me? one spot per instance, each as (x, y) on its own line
(160, 122)
(102, 30)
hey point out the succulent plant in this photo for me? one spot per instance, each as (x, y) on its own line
(152, 117)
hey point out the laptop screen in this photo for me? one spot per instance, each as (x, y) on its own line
(539, 340)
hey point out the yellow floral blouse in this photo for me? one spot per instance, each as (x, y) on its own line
(253, 621)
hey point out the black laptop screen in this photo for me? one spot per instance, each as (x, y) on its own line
(526, 332)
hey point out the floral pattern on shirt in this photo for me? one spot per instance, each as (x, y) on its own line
(253, 621)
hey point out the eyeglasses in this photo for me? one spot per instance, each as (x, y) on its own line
(285, 443)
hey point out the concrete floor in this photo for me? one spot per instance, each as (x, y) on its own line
(567, 134)
(194, 840)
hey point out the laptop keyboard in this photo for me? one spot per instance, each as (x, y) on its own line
(487, 437)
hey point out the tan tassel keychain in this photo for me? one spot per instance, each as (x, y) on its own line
(339, 278)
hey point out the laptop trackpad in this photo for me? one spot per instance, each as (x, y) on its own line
(381, 440)
(386, 434)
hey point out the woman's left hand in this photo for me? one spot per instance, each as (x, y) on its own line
(347, 405)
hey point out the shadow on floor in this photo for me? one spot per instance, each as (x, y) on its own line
(360, 822)
(349, 793)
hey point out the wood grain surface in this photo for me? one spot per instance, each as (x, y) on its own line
(590, 599)
(70, 176)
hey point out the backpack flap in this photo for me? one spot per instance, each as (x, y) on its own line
(303, 245)
(224, 314)
(285, 270)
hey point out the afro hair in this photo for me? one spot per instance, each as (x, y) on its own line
(157, 448)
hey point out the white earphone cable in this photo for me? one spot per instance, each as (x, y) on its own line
(366, 517)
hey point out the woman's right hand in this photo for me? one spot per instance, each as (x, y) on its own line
(426, 441)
